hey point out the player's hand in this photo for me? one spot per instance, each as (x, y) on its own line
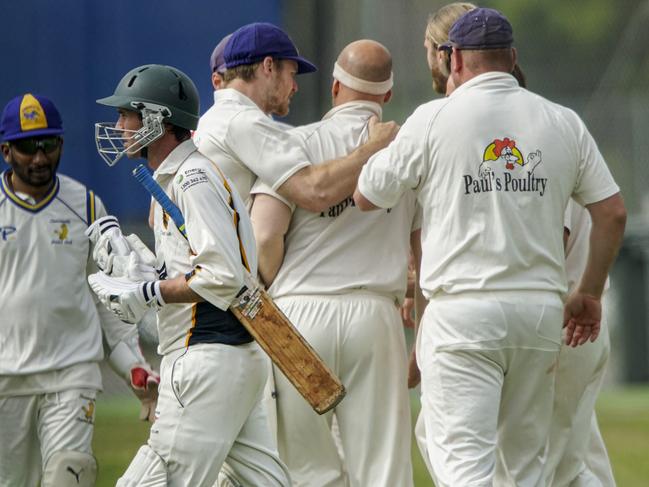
(414, 374)
(582, 317)
(128, 300)
(144, 383)
(381, 133)
(406, 311)
(107, 239)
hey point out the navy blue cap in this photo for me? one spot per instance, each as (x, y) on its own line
(30, 116)
(253, 42)
(481, 28)
(217, 61)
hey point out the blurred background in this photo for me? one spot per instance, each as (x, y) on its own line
(590, 55)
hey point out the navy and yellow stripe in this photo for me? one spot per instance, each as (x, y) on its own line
(90, 207)
(6, 189)
(235, 218)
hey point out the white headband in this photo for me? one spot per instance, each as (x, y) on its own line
(370, 87)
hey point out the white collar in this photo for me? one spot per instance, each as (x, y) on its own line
(367, 105)
(176, 157)
(492, 77)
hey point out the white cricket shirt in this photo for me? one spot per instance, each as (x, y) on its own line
(343, 249)
(493, 166)
(235, 134)
(50, 335)
(218, 246)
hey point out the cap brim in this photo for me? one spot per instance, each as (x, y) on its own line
(32, 133)
(303, 66)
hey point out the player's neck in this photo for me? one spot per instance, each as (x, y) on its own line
(253, 90)
(159, 150)
(17, 185)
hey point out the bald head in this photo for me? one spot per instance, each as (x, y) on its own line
(367, 60)
(363, 71)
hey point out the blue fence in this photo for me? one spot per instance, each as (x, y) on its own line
(76, 51)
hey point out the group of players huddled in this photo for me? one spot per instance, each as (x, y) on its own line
(499, 198)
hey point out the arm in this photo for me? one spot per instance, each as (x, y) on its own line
(270, 220)
(421, 302)
(583, 309)
(316, 187)
(362, 202)
(177, 290)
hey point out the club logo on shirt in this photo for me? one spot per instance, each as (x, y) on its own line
(336, 210)
(61, 232)
(504, 168)
(8, 233)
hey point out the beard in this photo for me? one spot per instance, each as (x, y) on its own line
(277, 106)
(439, 80)
(33, 175)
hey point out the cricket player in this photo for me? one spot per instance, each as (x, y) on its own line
(51, 329)
(322, 271)
(494, 166)
(574, 450)
(217, 63)
(261, 64)
(576, 453)
(212, 372)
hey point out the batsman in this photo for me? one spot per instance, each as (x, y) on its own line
(209, 422)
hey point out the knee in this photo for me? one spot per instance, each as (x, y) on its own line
(67, 467)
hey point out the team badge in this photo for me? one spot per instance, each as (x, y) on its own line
(87, 414)
(504, 167)
(61, 232)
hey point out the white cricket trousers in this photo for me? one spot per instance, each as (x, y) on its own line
(575, 442)
(209, 415)
(487, 365)
(360, 337)
(34, 427)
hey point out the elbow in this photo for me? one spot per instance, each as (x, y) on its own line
(619, 219)
(362, 203)
(315, 200)
(617, 215)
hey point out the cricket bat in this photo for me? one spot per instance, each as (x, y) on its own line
(272, 330)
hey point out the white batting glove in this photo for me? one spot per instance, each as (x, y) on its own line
(120, 256)
(127, 299)
(108, 241)
(144, 383)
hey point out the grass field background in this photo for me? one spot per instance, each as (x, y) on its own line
(623, 415)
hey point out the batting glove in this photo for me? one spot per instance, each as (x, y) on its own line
(120, 256)
(107, 239)
(144, 383)
(127, 299)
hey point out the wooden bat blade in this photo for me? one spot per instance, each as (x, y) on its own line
(288, 349)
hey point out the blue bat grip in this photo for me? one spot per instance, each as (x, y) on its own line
(143, 175)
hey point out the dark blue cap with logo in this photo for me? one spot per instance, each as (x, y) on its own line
(481, 28)
(30, 115)
(253, 42)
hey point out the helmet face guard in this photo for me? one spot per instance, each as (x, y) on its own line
(113, 143)
(161, 95)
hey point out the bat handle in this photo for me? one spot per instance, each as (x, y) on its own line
(144, 177)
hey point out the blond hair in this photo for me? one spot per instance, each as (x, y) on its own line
(440, 22)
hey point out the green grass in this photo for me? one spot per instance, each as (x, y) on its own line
(623, 415)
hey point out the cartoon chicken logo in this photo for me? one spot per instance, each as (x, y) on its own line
(503, 154)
